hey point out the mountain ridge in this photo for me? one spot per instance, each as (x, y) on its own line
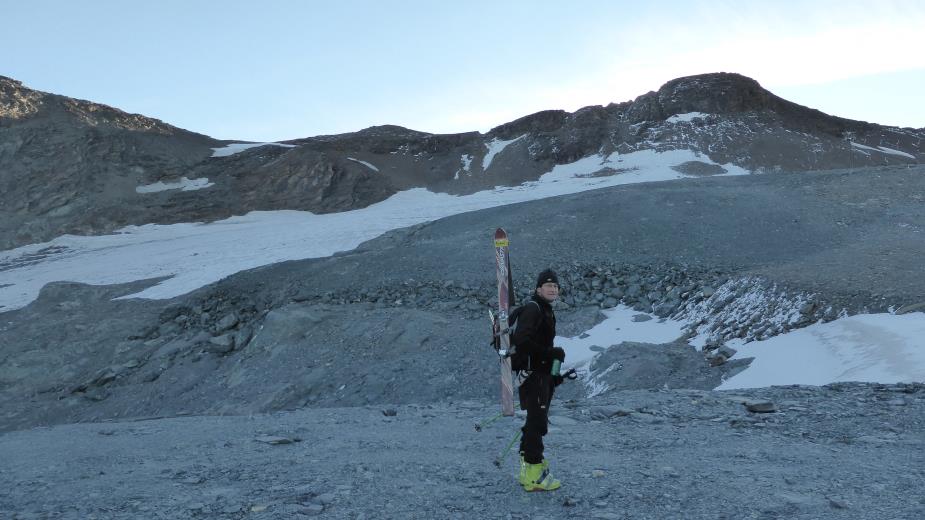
(78, 167)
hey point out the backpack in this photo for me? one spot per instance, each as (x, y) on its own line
(520, 361)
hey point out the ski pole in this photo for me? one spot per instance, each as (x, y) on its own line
(504, 453)
(486, 422)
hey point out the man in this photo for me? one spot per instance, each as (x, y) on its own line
(536, 329)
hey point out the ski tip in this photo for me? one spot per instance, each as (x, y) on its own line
(501, 238)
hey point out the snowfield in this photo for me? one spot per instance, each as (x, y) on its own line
(364, 163)
(686, 118)
(196, 254)
(183, 184)
(496, 146)
(882, 149)
(881, 348)
(234, 148)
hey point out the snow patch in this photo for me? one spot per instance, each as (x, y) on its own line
(881, 149)
(891, 151)
(466, 161)
(685, 118)
(882, 348)
(234, 148)
(617, 327)
(863, 147)
(364, 163)
(496, 146)
(183, 184)
(633, 167)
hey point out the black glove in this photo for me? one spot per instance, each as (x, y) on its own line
(569, 374)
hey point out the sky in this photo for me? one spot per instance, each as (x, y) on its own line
(287, 69)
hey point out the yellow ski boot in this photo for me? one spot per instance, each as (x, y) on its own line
(522, 477)
(537, 477)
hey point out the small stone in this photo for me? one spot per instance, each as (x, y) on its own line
(569, 502)
(837, 504)
(222, 344)
(325, 498)
(258, 509)
(639, 318)
(760, 406)
(561, 420)
(606, 412)
(597, 473)
(273, 439)
(226, 323)
(390, 412)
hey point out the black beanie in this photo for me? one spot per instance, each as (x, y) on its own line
(546, 276)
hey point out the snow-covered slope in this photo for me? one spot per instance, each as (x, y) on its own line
(196, 254)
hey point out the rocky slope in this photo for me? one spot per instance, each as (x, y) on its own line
(70, 166)
(378, 325)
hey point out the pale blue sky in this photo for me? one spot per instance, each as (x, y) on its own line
(277, 70)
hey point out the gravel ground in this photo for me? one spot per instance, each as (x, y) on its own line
(840, 451)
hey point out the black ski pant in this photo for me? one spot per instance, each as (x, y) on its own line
(535, 396)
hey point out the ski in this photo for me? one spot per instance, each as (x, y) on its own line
(505, 302)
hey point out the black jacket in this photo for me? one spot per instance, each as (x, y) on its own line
(535, 332)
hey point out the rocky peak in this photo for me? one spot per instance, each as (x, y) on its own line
(17, 101)
(95, 114)
(718, 93)
(730, 94)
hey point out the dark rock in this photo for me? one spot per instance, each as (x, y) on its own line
(760, 406)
